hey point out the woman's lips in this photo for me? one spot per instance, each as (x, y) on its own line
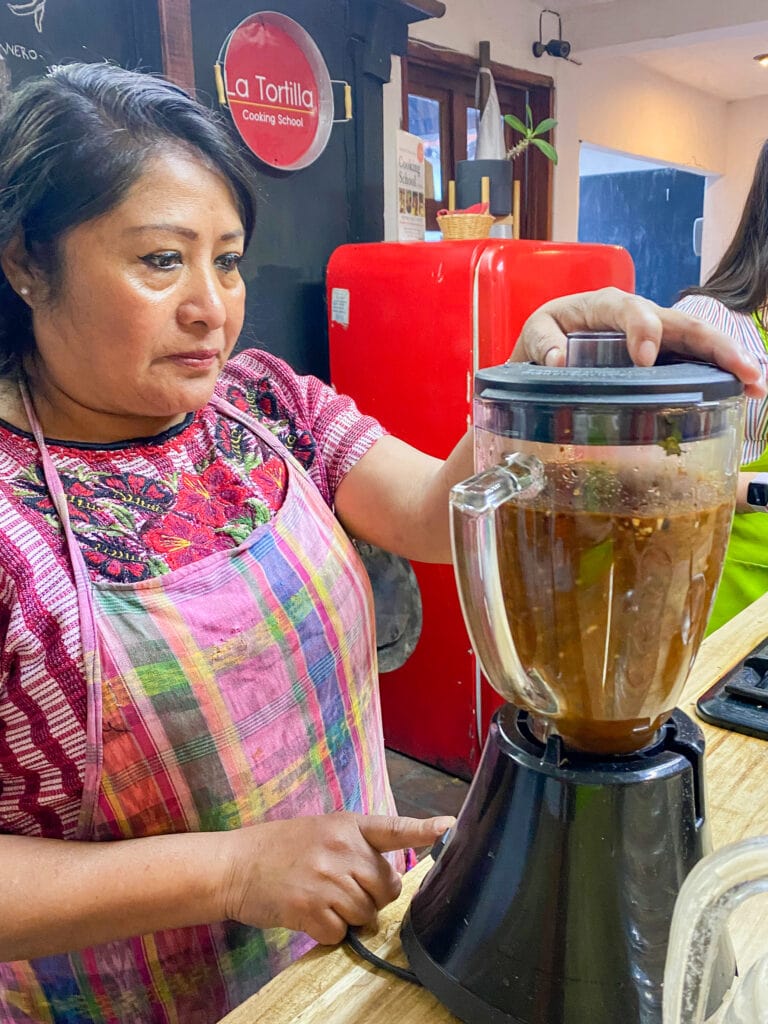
(201, 360)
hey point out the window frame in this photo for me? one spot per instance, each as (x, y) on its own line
(449, 76)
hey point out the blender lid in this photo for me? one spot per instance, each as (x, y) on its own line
(677, 384)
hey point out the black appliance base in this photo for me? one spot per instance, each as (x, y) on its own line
(551, 899)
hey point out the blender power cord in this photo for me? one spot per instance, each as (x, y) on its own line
(352, 940)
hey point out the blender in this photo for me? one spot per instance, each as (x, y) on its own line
(587, 551)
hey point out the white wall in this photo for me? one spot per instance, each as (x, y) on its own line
(620, 105)
(510, 25)
(746, 130)
(612, 102)
(611, 23)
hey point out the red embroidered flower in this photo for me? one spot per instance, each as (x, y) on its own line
(237, 397)
(270, 479)
(232, 440)
(80, 498)
(302, 447)
(263, 403)
(183, 540)
(39, 500)
(211, 498)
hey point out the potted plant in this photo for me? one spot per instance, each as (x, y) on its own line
(531, 135)
(470, 172)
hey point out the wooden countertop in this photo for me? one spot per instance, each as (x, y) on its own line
(333, 984)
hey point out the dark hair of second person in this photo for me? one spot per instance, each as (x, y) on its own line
(72, 144)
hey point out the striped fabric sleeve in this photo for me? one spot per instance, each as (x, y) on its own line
(712, 311)
(742, 329)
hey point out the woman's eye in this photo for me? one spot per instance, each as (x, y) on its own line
(163, 260)
(229, 261)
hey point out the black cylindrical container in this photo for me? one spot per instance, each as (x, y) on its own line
(468, 178)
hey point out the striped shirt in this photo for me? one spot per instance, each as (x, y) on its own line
(742, 328)
(138, 509)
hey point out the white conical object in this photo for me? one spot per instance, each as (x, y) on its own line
(490, 128)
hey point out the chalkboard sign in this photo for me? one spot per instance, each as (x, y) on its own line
(650, 213)
(36, 34)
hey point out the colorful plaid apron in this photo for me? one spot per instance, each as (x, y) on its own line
(235, 690)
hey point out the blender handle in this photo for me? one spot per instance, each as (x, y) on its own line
(474, 504)
(718, 884)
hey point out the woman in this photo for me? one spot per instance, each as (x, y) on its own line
(735, 300)
(193, 785)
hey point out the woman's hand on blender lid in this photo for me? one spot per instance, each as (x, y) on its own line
(648, 328)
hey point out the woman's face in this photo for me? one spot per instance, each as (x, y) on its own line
(147, 309)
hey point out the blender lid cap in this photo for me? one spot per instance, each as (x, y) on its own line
(668, 382)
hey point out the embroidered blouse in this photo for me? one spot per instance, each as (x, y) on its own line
(138, 508)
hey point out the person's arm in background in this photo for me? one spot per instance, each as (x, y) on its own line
(397, 497)
(742, 492)
(741, 329)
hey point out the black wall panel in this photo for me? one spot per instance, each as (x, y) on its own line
(304, 215)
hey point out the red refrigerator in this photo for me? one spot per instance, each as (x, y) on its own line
(408, 325)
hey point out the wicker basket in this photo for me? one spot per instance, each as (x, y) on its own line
(465, 225)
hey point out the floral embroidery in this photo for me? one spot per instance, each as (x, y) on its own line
(262, 401)
(270, 479)
(212, 498)
(135, 491)
(132, 526)
(115, 562)
(183, 540)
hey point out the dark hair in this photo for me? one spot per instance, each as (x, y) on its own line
(740, 280)
(72, 144)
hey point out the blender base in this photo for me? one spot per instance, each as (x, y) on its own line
(467, 1006)
(550, 901)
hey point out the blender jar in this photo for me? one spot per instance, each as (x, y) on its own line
(589, 544)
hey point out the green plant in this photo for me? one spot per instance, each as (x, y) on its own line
(530, 135)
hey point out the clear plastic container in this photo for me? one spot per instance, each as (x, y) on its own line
(589, 544)
(712, 891)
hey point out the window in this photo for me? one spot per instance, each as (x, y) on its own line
(439, 107)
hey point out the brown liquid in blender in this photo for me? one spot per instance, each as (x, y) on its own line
(607, 611)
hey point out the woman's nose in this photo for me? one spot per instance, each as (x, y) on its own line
(204, 301)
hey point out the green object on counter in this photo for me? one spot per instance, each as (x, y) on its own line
(745, 572)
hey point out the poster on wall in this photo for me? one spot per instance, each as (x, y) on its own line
(410, 187)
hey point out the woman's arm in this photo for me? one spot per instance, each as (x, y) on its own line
(60, 895)
(397, 497)
(315, 874)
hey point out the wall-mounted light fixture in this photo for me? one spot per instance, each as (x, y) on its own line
(555, 47)
(761, 58)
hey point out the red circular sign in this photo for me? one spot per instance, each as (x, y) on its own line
(278, 90)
